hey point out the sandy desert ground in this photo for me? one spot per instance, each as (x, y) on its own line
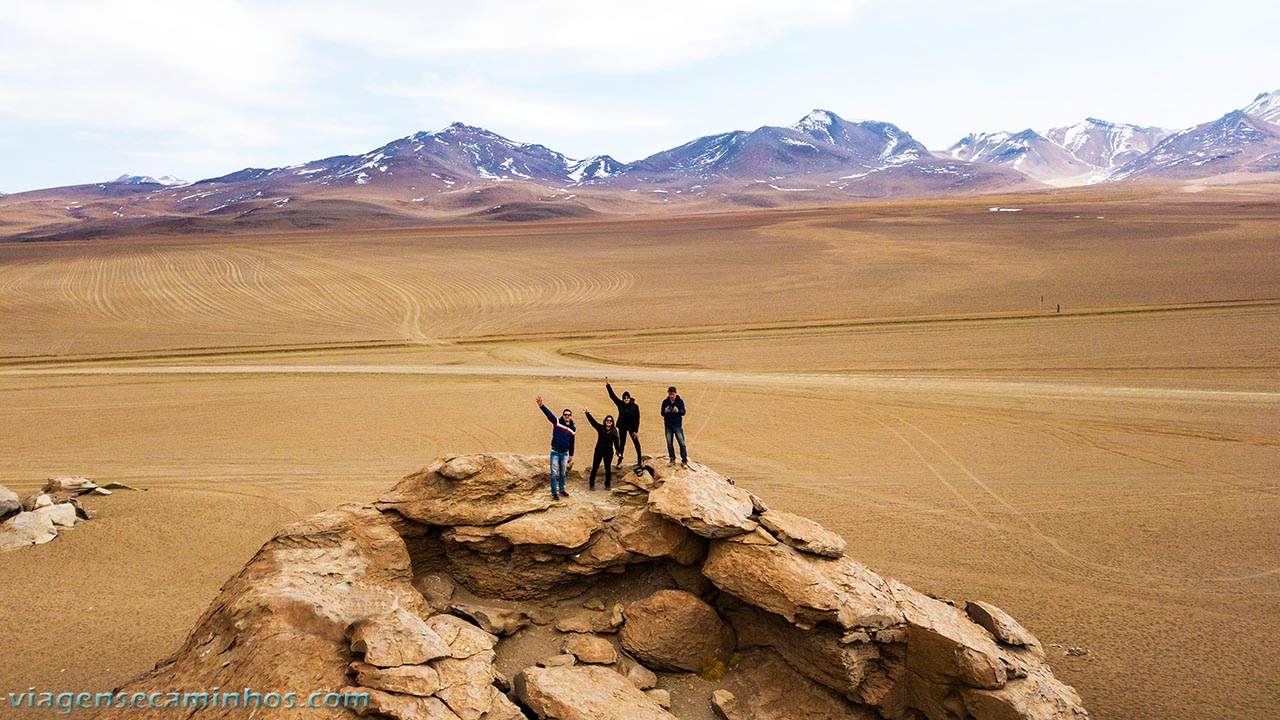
(1106, 473)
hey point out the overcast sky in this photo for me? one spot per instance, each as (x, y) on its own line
(93, 89)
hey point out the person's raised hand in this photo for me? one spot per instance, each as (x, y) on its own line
(539, 401)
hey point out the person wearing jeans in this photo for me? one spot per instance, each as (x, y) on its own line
(628, 422)
(561, 448)
(673, 422)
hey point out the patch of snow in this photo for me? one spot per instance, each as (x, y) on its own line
(797, 143)
(362, 179)
(509, 166)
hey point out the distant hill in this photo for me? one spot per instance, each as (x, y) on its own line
(1234, 142)
(463, 171)
(1095, 151)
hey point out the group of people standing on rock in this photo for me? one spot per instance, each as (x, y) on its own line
(611, 437)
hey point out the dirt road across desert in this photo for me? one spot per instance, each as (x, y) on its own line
(883, 384)
(1105, 474)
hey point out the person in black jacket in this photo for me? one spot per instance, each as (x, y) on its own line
(628, 421)
(606, 440)
(673, 422)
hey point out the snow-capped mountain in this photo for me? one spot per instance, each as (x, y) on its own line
(1235, 142)
(596, 167)
(165, 180)
(1265, 107)
(821, 142)
(1105, 145)
(1028, 152)
(822, 152)
(443, 158)
(1069, 155)
(457, 156)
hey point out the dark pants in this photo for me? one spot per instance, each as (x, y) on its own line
(622, 444)
(676, 431)
(605, 455)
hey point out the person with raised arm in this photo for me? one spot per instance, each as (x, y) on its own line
(561, 448)
(628, 421)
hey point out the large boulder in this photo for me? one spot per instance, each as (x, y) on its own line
(566, 526)
(675, 630)
(585, 692)
(802, 588)
(703, 501)
(472, 490)
(26, 529)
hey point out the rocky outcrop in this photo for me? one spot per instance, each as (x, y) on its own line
(467, 574)
(39, 525)
(35, 518)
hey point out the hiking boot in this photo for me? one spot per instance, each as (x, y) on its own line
(619, 461)
(555, 497)
(564, 492)
(607, 486)
(592, 486)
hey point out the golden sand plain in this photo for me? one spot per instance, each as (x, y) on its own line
(1106, 473)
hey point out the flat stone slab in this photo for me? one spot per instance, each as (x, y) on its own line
(704, 502)
(585, 692)
(803, 534)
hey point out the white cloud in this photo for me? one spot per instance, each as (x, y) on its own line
(474, 100)
(598, 35)
(145, 66)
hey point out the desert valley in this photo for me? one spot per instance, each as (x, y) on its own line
(1063, 401)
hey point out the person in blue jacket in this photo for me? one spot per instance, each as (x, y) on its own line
(673, 421)
(561, 448)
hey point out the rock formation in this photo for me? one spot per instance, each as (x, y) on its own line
(35, 519)
(466, 593)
